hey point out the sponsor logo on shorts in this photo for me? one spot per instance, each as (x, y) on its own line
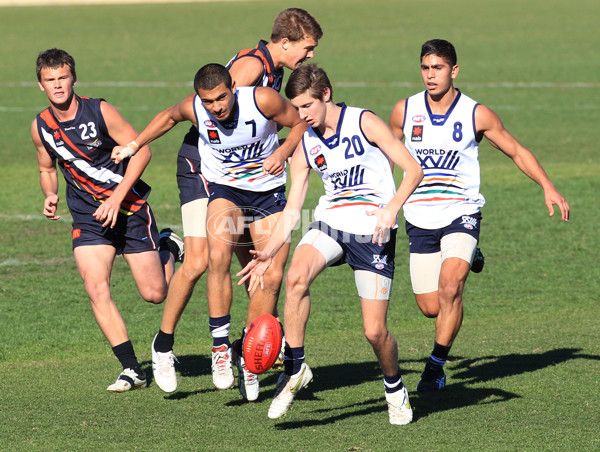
(468, 222)
(213, 136)
(280, 199)
(417, 134)
(320, 162)
(76, 233)
(315, 150)
(418, 119)
(379, 261)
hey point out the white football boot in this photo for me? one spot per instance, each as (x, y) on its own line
(127, 380)
(222, 369)
(399, 407)
(287, 388)
(163, 369)
(249, 387)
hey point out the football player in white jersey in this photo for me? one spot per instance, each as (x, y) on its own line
(442, 128)
(356, 223)
(245, 169)
(294, 37)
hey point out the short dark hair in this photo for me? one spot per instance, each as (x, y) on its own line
(308, 77)
(295, 24)
(54, 58)
(210, 76)
(441, 48)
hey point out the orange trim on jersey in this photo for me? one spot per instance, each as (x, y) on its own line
(256, 52)
(49, 120)
(354, 204)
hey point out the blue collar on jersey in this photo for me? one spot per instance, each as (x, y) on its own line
(333, 140)
(440, 120)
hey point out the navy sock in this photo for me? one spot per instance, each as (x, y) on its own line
(219, 328)
(293, 357)
(393, 383)
(164, 342)
(126, 356)
(439, 355)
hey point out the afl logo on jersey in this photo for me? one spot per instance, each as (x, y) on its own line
(213, 137)
(417, 134)
(418, 119)
(315, 150)
(320, 162)
(209, 123)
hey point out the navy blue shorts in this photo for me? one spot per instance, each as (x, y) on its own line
(190, 181)
(427, 241)
(132, 234)
(254, 205)
(358, 251)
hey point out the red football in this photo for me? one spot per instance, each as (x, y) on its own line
(262, 343)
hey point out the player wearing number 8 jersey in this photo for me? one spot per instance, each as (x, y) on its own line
(447, 149)
(350, 149)
(442, 128)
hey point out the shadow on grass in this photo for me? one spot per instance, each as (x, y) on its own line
(457, 393)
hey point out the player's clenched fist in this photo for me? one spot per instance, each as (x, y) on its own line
(120, 153)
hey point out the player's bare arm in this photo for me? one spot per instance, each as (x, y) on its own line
(160, 124)
(397, 118)
(246, 71)
(275, 107)
(122, 132)
(489, 124)
(379, 133)
(290, 216)
(48, 175)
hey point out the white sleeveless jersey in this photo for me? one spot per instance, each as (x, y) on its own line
(448, 151)
(356, 174)
(233, 153)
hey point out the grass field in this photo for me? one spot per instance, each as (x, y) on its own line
(524, 371)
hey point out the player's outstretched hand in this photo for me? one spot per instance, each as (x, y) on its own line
(255, 270)
(50, 205)
(120, 153)
(553, 197)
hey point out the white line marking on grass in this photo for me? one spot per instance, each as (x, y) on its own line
(166, 84)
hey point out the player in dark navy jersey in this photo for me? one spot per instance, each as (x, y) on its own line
(107, 201)
(294, 36)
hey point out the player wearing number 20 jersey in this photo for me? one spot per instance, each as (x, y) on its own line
(356, 175)
(447, 149)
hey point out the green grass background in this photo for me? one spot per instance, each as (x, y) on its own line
(524, 371)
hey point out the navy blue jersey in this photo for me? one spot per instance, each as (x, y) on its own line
(82, 149)
(272, 77)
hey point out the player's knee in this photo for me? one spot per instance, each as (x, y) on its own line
(154, 294)
(450, 292)
(296, 280)
(194, 267)
(375, 334)
(219, 259)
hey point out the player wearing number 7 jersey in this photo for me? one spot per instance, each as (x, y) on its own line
(442, 129)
